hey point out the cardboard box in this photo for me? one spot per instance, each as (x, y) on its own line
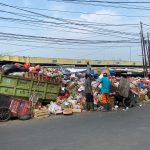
(76, 110)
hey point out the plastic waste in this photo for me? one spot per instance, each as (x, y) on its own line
(116, 107)
(53, 108)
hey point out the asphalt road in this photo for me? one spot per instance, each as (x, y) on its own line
(117, 130)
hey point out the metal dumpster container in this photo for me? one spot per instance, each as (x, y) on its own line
(24, 88)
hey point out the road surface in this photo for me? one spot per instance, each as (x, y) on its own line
(116, 130)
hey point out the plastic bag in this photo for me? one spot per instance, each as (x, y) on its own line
(9, 68)
(54, 108)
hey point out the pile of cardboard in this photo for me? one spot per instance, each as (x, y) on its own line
(40, 113)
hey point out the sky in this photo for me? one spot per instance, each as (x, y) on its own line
(59, 29)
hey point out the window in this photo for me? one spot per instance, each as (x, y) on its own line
(79, 61)
(54, 61)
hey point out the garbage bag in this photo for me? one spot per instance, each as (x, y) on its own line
(9, 68)
(19, 74)
(23, 69)
(54, 108)
(148, 93)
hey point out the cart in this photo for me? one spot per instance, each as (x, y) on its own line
(5, 113)
(14, 107)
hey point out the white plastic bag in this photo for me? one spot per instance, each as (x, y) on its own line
(53, 108)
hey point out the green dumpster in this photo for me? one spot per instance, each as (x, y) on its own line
(22, 87)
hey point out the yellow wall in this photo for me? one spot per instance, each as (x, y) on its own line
(41, 60)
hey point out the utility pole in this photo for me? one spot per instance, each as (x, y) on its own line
(148, 49)
(143, 51)
(148, 52)
(145, 56)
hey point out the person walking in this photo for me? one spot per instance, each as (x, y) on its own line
(105, 90)
(89, 93)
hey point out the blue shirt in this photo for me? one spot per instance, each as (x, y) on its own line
(105, 84)
(141, 85)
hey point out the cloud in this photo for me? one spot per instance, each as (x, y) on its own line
(100, 17)
(87, 32)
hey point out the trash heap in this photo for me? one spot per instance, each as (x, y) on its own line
(139, 89)
(71, 99)
(33, 72)
(125, 92)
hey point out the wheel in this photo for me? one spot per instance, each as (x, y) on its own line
(134, 101)
(126, 102)
(130, 100)
(5, 114)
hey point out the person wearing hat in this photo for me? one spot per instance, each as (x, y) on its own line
(105, 90)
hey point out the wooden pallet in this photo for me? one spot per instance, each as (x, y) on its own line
(40, 113)
(76, 110)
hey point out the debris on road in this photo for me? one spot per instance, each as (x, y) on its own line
(58, 93)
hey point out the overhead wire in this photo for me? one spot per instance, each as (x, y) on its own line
(52, 17)
(112, 2)
(92, 31)
(42, 38)
(63, 40)
(39, 21)
(81, 12)
(61, 19)
(125, 6)
(53, 22)
(76, 46)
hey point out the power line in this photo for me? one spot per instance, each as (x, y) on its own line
(62, 19)
(61, 40)
(125, 6)
(80, 12)
(114, 2)
(82, 26)
(58, 19)
(92, 31)
(58, 24)
(47, 46)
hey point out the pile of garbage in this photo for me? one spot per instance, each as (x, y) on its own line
(32, 72)
(125, 92)
(138, 88)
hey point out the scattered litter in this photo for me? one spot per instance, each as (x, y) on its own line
(124, 92)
